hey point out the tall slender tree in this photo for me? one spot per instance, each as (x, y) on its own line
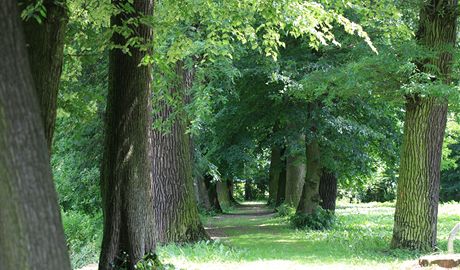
(416, 213)
(176, 212)
(45, 46)
(31, 233)
(126, 179)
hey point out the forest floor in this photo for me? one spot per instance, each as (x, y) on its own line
(252, 237)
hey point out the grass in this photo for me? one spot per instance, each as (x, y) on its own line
(359, 239)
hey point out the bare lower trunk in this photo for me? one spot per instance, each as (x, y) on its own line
(282, 182)
(176, 211)
(223, 194)
(45, 46)
(310, 199)
(31, 233)
(295, 172)
(211, 187)
(418, 186)
(201, 193)
(126, 179)
(275, 170)
(328, 190)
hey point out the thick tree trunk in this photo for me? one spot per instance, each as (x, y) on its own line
(295, 172)
(416, 212)
(274, 174)
(176, 211)
(310, 199)
(126, 179)
(223, 194)
(282, 182)
(328, 190)
(418, 186)
(201, 193)
(31, 233)
(211, 187)
(45, 45)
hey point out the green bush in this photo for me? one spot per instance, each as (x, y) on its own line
(285, 210)
(320, 220)
(84, 235)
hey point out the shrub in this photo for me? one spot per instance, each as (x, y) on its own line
(285, 210)
(320, 220)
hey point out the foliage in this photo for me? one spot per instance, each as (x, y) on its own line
(285, 210)
(320, 219)
(84, 236)
(380, 188)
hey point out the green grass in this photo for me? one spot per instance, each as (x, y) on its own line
(359, 239)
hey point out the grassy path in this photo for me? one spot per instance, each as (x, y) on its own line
(251, 237)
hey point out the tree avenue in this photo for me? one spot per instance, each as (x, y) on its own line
(143, 134)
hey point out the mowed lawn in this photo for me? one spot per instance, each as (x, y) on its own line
(251, 237)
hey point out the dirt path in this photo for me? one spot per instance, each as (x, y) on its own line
(247, 211)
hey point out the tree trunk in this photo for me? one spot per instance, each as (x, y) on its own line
(211, 187)
(274, 174)
(201, 193)
(31, 233)
(310, 199)
(45, 45)
(176, 211)
(295, 172)
(328, 190)
(230, 192)
(248, 191)
(282, 182)
(223, 194)
(126, 179)
(416, 212)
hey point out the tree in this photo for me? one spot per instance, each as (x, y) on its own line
(425, 121)
(274, 174)
(45, 45)
(328, 189)
(295, 170)
(31, 233)
(176, 212)
(126, 180)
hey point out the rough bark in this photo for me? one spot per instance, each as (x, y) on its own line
(201, 193)
(126, 179)
(295, 172)
(274, 174)
(31, 233)
(45, 46)
(223, 194)
(310, 198)
(328, 190)
(416, 212)
(176, 211)
(282, 182)
(211, 187)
